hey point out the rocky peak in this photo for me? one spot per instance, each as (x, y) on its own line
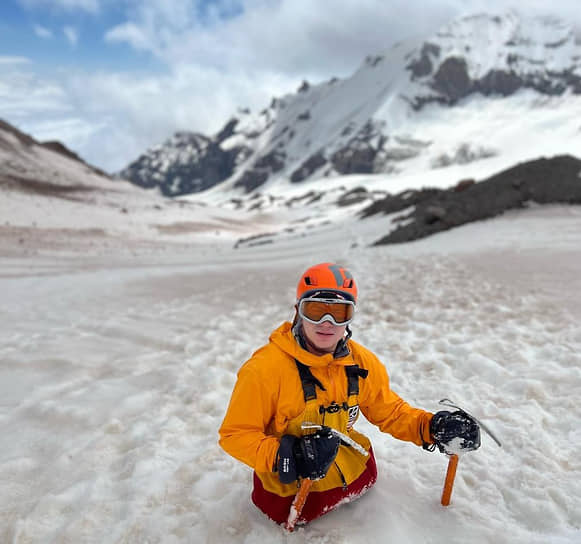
(495, 55)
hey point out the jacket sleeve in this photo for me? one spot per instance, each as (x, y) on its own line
(384, 408)
(243, 431)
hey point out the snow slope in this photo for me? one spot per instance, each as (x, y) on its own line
(115, 373)
(476, 139)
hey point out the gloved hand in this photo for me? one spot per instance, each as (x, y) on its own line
(455, 432)
(308, 457)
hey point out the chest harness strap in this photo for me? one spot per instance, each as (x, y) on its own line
(310, 383)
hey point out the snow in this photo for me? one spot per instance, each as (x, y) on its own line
(116, 369)
(532, 41)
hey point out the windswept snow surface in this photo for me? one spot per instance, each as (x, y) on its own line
(116, 371)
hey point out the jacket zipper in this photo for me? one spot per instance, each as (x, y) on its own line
(331, 384)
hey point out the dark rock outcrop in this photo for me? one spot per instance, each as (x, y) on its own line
(544, 181)
(226, 131)
(175, 176)
(354, 160)
(463, 184)
(372, 60)
(452, 80)
(399, 202)
(263, 167)
(499, 82)
(423, 66)
(354, 196)
(252, 179)
(360, 153)
(311, 165)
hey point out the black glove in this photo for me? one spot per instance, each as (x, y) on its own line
(308, 457)
(455, 432)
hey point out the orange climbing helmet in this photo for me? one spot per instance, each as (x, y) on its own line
(327, 278)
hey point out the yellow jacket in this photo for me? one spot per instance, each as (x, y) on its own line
(268, 396)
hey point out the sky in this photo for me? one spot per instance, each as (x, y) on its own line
(110, 78)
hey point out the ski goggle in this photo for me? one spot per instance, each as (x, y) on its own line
(318, 310)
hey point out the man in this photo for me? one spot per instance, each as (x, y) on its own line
(309, 381)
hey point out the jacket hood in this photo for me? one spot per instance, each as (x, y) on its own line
(284, 339)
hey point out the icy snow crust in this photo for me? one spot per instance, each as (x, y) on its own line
(116, 368)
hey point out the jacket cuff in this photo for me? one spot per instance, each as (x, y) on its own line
(425, 434)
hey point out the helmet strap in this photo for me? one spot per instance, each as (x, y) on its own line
(342, 350)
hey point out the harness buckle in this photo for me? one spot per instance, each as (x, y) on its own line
(333, 408)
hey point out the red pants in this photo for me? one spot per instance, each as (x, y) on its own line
(318, 502)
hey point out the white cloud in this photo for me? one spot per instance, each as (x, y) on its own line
(4, 60)
(298, 37)
(90, 6)
(301, 38)
(42, 32)
(71, 34)
(24, 95)
(75, 130)
(129, 33)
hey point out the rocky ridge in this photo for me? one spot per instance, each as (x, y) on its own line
(429, 211)
(46, 168)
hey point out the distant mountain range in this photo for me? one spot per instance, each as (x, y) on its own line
(375, 121)
(46, 185)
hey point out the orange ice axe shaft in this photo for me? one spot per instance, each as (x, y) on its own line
(298, 504)
(449, 483)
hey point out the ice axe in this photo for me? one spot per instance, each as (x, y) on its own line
(306, 483)
(453, 457)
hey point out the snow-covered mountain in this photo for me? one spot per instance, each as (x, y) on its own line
(495, 79)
